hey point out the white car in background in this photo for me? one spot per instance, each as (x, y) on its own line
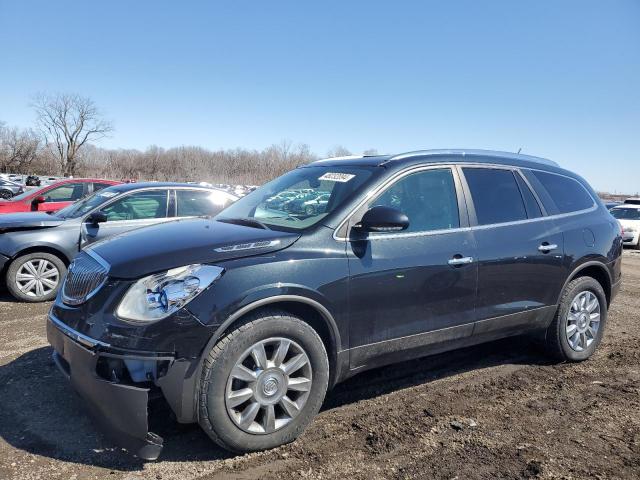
(628, 214)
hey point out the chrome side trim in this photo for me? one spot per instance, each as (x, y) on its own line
(74, 335)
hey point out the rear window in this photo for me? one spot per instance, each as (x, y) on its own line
(567, 194)
(496, 196)
(622, 213)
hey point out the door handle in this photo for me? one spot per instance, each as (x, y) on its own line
(546, 248)
(457, 261)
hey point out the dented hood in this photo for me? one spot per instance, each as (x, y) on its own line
(185, 242)
(10, 222)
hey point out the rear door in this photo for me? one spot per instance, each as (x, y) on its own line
(134, 210)
(414, 289)
(519, 250)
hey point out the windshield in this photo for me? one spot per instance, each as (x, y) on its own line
(300, 198)
(81, 207)
(626, 213)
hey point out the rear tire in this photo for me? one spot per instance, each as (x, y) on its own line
(6, 194)
(284, 387)
(46, 272)
(578, 326)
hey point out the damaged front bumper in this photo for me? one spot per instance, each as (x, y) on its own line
(116, 385)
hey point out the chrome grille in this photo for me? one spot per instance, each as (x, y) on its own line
(85, 276)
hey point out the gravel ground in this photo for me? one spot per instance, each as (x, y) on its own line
(499, 410)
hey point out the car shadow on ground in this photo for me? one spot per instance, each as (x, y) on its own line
(40, 414)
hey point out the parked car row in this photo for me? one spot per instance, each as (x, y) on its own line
(37, 246)
(300, 202)
(243, 321)
(30, 180)
(53, 197)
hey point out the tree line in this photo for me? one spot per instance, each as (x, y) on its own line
(68, 125)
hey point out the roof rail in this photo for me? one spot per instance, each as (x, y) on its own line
(474, 153)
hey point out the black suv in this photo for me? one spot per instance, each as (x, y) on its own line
(242, 322)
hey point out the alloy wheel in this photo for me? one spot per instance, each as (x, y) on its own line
(37, 277)
(583, 321)
(268, 386)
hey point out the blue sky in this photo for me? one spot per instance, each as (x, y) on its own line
(559, 79)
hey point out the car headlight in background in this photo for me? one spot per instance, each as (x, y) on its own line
(629, 229)
(159, 295)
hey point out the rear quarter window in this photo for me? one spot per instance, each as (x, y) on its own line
(560, 194)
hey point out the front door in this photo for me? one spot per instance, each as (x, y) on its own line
(136, 210)
(417, 288)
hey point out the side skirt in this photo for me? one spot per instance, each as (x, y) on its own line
(437, 341)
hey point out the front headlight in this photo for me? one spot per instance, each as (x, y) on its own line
(158, 296)
(630, 229)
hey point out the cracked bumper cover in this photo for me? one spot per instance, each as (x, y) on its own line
(120, 409)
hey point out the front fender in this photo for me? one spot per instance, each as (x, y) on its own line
(270, 295)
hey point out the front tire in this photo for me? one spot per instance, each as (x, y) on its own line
(263, 382)
(578, 326)
(35, 277)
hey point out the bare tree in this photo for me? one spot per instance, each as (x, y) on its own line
(18, 149)
(338, 151)
(68, 122)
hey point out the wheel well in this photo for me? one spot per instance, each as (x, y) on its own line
(600, 275)
(44, 249)
(308, 314)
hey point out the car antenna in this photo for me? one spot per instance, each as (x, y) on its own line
(519, 150)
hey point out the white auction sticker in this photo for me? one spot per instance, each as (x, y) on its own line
(337, 177)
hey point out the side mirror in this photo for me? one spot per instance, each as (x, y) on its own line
(383, 219)
(97, 217)
(39, 199)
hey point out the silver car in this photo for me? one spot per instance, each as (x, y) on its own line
(36, 247)
(9, 189)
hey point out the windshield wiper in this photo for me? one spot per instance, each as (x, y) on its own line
(246, 221)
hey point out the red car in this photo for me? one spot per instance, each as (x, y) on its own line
(55, 196)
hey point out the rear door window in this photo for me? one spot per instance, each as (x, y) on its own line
(496, 195)
(199, 203)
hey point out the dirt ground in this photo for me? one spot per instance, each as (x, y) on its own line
(497, 411)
